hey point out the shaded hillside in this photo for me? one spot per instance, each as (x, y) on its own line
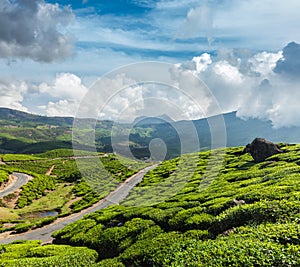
(16, 117)
(237, 132)
(27, 133)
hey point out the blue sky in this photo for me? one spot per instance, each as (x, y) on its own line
(55, 50)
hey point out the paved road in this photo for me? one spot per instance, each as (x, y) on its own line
(44, 233)
(19, 181)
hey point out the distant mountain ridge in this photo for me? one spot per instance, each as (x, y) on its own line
(16, 116)
(21, 132)
(145, 120)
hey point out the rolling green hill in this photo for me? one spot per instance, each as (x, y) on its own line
(27, 133)
(241, 214)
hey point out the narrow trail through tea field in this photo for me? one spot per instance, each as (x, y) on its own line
(44, 233)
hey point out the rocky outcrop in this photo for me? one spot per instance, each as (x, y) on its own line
(260, 149)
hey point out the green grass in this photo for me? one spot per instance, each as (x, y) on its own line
(7, 214)
(54, 200)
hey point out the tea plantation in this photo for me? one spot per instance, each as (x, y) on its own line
(204, 209)
(63, 191)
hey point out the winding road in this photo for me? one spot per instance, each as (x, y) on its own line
(19, 180)
(44, 233)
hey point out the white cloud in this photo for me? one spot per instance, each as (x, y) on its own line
(12, 94)
(254, 24)
(256, 85)
(60, 108)
(66, 85)
(264, 63)
(68, 89)
(125, 105)
(228, 73)
(250, 86)
(258, 24)
(202, 62)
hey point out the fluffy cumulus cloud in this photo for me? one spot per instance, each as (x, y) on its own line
(60, 108)
(264, 63)
(12, 94)
(122, 98)
(125, 105)
(66, 86)
(263, 85)
(31, 29)
(67, 90)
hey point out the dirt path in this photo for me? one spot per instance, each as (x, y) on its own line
(11, 179)
(44, 233)
(50, 170)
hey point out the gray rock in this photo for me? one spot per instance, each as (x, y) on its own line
(260, 149)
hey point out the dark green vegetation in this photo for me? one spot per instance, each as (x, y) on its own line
(57, 187)
(25, 254)
(201, 225)
(26, 133)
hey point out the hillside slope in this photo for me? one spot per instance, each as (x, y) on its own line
(27, 133)
(247, 215)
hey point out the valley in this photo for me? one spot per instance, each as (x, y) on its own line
(57, 194)
(25, 133)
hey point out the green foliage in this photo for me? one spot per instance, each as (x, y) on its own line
(65, 153)
(19, 157)
(22, 227)
(46, 221)
(31, 254)
(3, 176)
(280, 233)
(86, 201)
(66, 190)
(34, 189)
(202, 225)
(230, 251)
(110, 263)
(263, 211)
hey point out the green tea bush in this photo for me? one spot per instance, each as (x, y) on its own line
(201, 224)
(264, 211)
(3, 176)
(19, 157)
(233, 251)
(109, 263)
(31, 254)
(34, 189)
(287, 233)
(23, 227)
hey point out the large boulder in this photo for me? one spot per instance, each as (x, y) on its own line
(260, 149)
